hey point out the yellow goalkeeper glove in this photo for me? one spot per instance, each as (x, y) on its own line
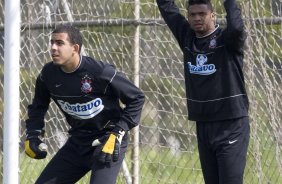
(110, 146)
(34, 146)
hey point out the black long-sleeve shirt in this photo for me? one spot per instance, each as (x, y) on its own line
(214, 80)
(89, 97)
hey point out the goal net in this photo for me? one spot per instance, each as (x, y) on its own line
(132, 35)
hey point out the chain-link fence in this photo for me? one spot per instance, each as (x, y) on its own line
(131, 34)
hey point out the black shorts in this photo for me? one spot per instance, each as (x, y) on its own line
(223, 149)
(73, 161)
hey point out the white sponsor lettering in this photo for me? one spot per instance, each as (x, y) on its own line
(83, 111)
(201, 68)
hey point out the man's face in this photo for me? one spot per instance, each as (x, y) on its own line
(201, 19)
(62, 51)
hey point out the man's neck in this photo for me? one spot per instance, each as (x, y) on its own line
(211, 31)
(72, 65)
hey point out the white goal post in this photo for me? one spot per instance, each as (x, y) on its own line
(11, 92)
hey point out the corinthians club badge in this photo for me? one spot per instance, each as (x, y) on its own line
(86, 84)
(212, 43)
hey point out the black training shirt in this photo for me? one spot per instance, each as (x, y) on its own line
(89, 97)
(215, 86)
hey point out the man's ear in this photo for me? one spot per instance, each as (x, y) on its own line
(213, 17)
(187, 17)
(76, 48)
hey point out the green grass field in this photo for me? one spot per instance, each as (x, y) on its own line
(159, 166)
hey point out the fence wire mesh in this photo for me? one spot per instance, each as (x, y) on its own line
(167, 146)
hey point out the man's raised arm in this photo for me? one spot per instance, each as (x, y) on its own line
(176, 22)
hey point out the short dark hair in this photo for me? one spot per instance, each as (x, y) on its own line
(194, 2)
(73, 33)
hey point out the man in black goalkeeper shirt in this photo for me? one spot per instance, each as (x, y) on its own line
(215, 87)
(88, 92)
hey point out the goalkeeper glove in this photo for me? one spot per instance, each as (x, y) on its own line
(34, 146)
(110, 146)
